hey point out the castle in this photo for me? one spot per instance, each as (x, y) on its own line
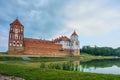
(62, 46)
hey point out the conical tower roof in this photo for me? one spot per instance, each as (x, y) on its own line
(74, 34)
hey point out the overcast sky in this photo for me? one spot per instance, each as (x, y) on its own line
(97, 22)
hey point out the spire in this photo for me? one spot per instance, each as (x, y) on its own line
(16, 22)
(74, 33)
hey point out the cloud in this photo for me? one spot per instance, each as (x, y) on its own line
(3, 39)
(52, 18)
(91, 18)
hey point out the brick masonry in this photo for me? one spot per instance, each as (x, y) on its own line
(28, 46)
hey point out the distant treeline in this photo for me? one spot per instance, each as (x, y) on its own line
(101, 51)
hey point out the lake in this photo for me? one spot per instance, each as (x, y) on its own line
(111, 66)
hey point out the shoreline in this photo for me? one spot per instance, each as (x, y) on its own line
(83, 57)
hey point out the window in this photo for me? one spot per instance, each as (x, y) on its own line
(21, 37)
(21, 29)
(20, 45)
(10, 44)
(14, 44)
(16, 36)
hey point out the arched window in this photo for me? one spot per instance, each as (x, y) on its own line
(16, 36)
(14, 43)
(18, 43)
(10, 44)
(12, 36)
(21, 29)
(13, 29)
(21, 37)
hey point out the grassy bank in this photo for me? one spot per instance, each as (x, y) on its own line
(32, 73)
(32, 70)
(87, 57)
(82, 57)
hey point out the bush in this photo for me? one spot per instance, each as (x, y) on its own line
(54, 66)
(42, 65)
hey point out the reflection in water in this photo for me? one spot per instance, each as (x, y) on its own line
(76, 65)
(76, 62)
(25, 57)
(107, 70)
(111, 66)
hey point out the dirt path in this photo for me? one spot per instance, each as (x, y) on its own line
(2, 77)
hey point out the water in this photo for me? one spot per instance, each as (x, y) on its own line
(111, 66)
(25, 57)
(107, 70)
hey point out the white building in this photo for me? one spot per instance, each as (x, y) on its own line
(72, 43)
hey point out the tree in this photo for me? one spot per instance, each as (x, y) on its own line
(101, 51)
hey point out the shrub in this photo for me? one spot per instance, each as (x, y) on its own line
(42, 65)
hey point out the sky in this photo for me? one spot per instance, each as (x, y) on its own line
(97, 22)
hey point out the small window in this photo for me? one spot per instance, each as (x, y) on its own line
(14, 44)
(10, 44)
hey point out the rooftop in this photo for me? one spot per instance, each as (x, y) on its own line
(16, 22)
(74, 34)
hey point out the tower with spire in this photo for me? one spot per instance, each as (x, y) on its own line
(16, 37)
(74, 44)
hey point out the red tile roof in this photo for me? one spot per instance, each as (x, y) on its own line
(16, 22)
(63, 38)
(74, 34)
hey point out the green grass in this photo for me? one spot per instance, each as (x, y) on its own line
(82, 57)
(32, 73)
(87, 57)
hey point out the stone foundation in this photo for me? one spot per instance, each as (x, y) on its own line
(15, 50)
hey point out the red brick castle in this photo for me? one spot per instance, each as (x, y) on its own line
(62, 46)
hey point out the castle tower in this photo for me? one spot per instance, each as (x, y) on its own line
(74, 44)
(16, 37)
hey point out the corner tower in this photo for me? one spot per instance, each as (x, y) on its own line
(74, 44)
(16, 38)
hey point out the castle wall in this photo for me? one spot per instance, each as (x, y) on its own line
(75, 52)
(44, 48)
(46, 52)
(15, 50)
(41, 44)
